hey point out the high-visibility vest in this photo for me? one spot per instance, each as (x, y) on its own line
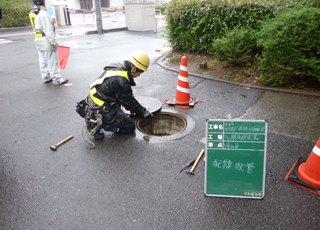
(33, 14)
(105, 74)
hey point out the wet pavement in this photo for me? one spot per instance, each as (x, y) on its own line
(129, 182)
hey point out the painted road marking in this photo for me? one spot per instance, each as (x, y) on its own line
(2, 41)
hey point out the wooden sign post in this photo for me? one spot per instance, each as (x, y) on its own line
(235, 158)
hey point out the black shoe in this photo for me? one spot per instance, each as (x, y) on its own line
(110, 128)
(47, 81)
(98, 135)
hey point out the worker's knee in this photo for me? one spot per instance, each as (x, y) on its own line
(128, 128)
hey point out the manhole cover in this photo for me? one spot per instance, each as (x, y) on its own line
(151, 104)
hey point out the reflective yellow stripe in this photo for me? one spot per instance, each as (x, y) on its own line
(94, 99)
(100, 80)
(32, 17)
(107, 74)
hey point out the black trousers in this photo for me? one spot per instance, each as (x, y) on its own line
(113, 116)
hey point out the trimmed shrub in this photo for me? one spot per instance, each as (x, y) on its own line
(194, 24)
(161, 8)
(290, 44)
(236, 46)
(15, 13)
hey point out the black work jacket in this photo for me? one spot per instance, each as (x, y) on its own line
(118, 89)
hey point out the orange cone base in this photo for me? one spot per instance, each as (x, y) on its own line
(302, 173)
(294, 178)
(181, 105)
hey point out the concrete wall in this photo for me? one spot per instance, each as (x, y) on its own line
(116, 2)
(75, 4)
(140, 16)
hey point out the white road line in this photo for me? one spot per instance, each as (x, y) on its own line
(2, 41)
(9, 35)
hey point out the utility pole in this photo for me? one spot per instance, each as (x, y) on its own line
(99, 17)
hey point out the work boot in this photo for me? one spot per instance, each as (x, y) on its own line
(110, 128)
(61, 81)
(98, 135)
(47, 81)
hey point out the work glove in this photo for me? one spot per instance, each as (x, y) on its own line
(56, 46)
(147, 113)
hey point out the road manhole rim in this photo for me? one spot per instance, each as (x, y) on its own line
(190, 124)
(160, 114)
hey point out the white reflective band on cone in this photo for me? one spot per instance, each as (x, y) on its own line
(316, 150)
(183, 90)
(184, 68)
(181, 78)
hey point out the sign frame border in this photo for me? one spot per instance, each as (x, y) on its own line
(264, 163)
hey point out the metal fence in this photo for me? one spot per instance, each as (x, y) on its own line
(139, 1)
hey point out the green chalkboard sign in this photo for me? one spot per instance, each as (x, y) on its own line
(235, 158)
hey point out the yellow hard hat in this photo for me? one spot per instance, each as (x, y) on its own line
(140, 59)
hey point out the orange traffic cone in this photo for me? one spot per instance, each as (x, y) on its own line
(306, 174)
(182, 98)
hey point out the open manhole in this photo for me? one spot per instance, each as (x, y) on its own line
(162, 124)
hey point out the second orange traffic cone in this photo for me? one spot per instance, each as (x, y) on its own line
(306, 174)
(182, 98)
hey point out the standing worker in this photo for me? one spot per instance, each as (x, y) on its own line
(111, 90)
(46, 43)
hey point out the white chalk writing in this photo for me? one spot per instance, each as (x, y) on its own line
(227, 164)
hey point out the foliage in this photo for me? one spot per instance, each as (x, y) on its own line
(15, 13)
(290, 44)
(194, 24)
(287, 46)
(161, 8)
(236, 46)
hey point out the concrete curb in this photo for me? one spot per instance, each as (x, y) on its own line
(107, 30)
(160, 63)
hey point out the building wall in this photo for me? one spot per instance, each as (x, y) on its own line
(83, 4)
(105, 3)
(71, 4)
(116, 2)
(140, 16)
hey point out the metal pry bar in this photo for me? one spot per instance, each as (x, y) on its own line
(195, 163)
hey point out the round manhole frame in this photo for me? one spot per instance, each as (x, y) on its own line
(190, 124)
(162, 113)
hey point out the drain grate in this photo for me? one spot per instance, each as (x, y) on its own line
(162, 124)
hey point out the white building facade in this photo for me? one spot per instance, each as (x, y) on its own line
(83, 4)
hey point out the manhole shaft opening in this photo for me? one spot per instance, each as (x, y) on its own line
(162, 124)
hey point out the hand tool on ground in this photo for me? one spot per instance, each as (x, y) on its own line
(195, 163)
(187, 165)
(54, 148)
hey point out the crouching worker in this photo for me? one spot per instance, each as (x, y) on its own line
(110, 91)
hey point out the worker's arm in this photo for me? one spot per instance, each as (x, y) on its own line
(48, 29)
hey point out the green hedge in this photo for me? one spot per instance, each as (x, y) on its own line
(290, 44)
(283, 35)
(15, 13)
(236, 46)
(194, 24)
